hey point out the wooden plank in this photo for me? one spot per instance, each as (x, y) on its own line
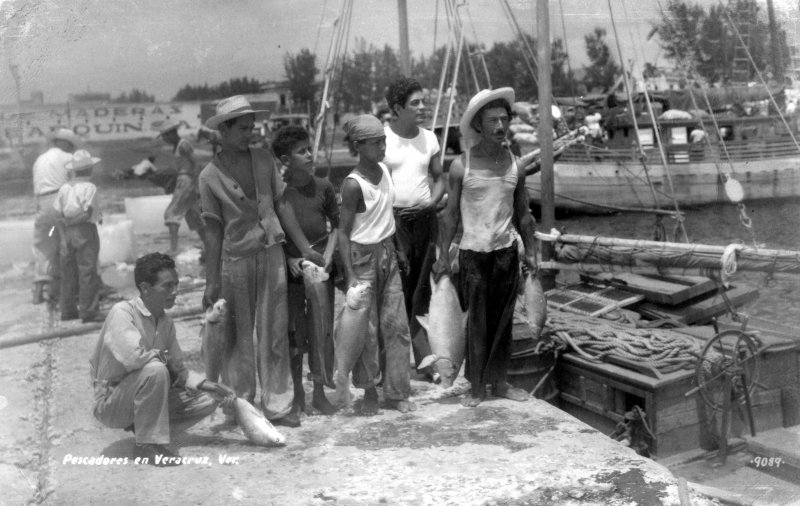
(703, 309)
(670, 290)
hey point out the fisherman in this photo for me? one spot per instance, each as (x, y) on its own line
(245, 218)
(313, 200)
(140, 381)
(49, 175)
(185, 203)
(487, 196)
(366, 245)
(76, 205)
(412, 156)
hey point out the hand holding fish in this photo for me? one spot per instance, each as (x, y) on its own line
(440, 268)
(295, 269)
(530, 265)
(314, 256)
(227, 394)
(402, 261)
(211, 293)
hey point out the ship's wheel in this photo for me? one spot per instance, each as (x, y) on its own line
(727, 367)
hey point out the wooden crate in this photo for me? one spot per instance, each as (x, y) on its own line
(670, 290)
(600, 393)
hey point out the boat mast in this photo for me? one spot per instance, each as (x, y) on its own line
(546, 134)
(777, 57)
(405, 55)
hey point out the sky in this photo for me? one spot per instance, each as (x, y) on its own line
(71, 46)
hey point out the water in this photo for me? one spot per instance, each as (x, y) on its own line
(776, 225)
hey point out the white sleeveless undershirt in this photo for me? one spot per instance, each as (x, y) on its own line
(376, 223)
(487, 209)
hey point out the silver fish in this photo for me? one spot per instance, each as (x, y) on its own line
(535, 304)
(351, 337)
(217, 345)
(445, 324)
(255, 426)
(319, 293)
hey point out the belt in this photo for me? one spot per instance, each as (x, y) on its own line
(44, 194)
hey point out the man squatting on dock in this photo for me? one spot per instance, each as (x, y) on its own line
(487, 195)
(140, 381)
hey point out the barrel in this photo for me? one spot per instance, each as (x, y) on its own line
(528, 366)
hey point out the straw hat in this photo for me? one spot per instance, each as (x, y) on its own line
(233, 107)
(167, 125)
(81, 159)
(483, 97)
(65, 134)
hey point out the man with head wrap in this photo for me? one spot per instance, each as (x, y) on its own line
(366, 245)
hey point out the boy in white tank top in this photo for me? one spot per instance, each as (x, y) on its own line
(366, 245)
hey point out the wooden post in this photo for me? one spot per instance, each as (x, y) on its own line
(405, 55)
(547, 202)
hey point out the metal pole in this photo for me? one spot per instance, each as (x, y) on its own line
(405, 56)
(546, 135)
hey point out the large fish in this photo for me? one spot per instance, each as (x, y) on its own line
(535, 304)
(319, 296)
(216, 343)
(255, 426)
(445, 324)
(351, 337)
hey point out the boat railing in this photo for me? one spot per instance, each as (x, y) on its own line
(744, 150)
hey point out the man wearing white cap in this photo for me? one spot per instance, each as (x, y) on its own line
(245, 219)
(49, 175)
(487, 195)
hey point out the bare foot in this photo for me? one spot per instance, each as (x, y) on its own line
(370, 405)
(320, 402)
(470, 401)
(505, 390)
(401, 406)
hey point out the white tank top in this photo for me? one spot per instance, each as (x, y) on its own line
(376, 223)
(487, 208)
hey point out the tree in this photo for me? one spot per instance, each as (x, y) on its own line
(603, 70)
(301, 75)
(707, 43)
(136, 97)
(235, 86)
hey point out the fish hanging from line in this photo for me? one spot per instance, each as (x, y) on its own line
(445, 325)
(217, 345)
(351, 337)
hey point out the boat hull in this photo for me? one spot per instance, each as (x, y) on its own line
(600, 186)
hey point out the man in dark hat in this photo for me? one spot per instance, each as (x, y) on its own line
(487, 195)
(246, 221)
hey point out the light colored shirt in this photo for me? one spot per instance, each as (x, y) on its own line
(49, 172)
(487, 209)
(376, 223)
(248, 225)
(184, 159)
(408, 160)
(129, 339)
(75, 198)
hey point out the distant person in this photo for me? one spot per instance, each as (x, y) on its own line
(140, 381)
(185, 203)
(313, 200)
(49, 175)
(413, 158)
(76, 205)
(385, 115)
(247, 222)
(487, 196)
(367, 249)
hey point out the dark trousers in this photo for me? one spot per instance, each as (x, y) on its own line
(488, 285)
(417, 239)
(80, 247)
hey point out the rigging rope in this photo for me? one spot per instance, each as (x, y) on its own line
(599, 340)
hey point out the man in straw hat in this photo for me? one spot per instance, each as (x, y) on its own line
(366, 245)
(76, 205)
(49, 175)
(185, 203)
(240, 192)
(487, 196)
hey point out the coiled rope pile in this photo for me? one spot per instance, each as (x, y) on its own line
(596, 340)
